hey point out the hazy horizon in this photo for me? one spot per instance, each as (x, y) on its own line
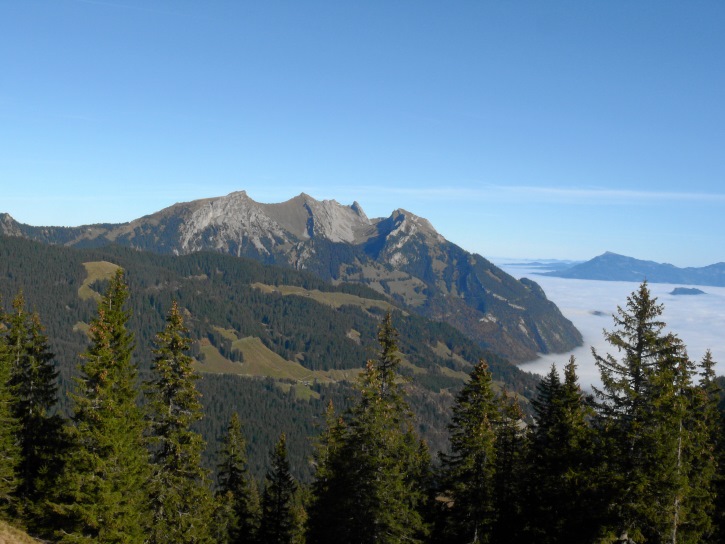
(699, 321)
(560, 129)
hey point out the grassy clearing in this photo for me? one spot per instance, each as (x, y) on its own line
(95, 271)
(302, 391)
(11, 535)
(215, 363)
(444, 352)
(410, 366)
(334, 300)
(82, 327)
(258, 361)
(411, 289)
(449, 372)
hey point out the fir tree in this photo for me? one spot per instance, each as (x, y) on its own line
(329, 485)
(370, 471)
(510, 458)
(239, 518)
(703, 423)
(181, 502)
(9, 448)
(646, 411)
(279, 522)
(33, 381)
(468, 472)
(100, 494)
(560, 462)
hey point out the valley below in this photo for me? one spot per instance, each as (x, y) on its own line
(699, 321)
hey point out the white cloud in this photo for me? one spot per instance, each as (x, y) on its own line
(699, 321)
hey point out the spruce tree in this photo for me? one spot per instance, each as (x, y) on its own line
(646, 420)
(703, 421)
(714, 390)
(279, 523)
(329, 485)
(180, 499)
(9, 447)
(468, 471)
(510, 451)
(33, 381)
(100, 495)
(237, 519)
(561, 506)
(371, 472)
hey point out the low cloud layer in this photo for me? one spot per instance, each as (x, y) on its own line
(699, 320)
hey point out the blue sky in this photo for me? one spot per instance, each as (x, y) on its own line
(520, 129)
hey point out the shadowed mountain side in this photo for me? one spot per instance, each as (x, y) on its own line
(401, 256)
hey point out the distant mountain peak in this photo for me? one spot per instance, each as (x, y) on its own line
(613, 267)
(402, 256)
(9, 226)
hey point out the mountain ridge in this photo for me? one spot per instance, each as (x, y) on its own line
(611, 266)
(401, 256)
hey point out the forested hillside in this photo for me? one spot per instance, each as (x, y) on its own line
(401, 256)
(272, 343)
(639, 461)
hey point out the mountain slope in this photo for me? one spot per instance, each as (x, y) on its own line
(401, 256)
(273, 343)
(612, 267)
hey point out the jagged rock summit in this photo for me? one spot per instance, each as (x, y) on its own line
(236, 218)
(401, 255)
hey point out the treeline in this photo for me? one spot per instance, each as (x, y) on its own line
(640, 460)
(217, 292)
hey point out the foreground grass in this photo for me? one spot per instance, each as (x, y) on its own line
(11, 535)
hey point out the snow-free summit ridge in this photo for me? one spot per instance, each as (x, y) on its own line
(401, 255)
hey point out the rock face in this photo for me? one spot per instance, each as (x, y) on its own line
(401, 255)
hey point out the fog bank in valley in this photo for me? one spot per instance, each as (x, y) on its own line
(698, 320)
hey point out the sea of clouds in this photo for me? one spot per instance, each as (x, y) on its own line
(698, 320)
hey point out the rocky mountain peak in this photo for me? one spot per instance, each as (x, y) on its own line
(8, 225)
(402, 256)
(403, 225)
(335, 222)
(237, 219)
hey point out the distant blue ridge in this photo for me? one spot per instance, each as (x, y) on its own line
(613, 267)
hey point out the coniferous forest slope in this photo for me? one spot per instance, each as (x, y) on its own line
(273, 343)
(639, 461)
(401, 256)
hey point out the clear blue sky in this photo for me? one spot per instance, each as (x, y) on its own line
(522, 129)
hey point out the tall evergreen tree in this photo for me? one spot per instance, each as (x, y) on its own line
(468, 471)
(9, 447)
(101, 491)
(279, 523)
(714, 390)
(511, 454)
(372, 468)
(561, 505)
(646, 410)
(179, 494)
(238, 517)
(703, 423)
(329, 486)
(33, 381)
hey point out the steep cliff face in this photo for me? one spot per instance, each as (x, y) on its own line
(401, 255)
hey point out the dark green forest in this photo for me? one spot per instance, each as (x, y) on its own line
(124, 440)
(216, 292)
